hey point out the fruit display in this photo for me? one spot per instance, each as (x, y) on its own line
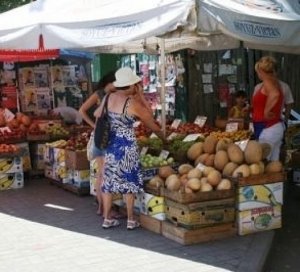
(56, 131)
(34, 129)
(11, 136)
(235, 136)
(190, 128)
(8, 149)
(149, 161)
(58, 144)
(78, 142)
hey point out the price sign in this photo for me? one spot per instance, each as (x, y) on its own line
(242, 144)
(200, 120)
(232, 126)
(192, 137)
(164, 154)
(172, 136)
(8, 115)
(200, 166)
(144, 150)
(176, 123)
(136, 124)
(153, 135)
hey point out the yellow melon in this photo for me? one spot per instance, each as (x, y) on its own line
(209, 145)
(235, 154)
(253, 152)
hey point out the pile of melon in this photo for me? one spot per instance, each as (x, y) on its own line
(228, 158)
(190, 179)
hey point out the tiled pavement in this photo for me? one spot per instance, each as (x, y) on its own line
(44, 228)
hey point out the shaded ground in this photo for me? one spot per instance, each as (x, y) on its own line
(46, 229)
(285, 251)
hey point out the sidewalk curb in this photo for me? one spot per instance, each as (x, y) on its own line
(257, 253)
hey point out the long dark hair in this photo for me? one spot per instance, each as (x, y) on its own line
(106, 79)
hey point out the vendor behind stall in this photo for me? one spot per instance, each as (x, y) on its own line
(68, 114)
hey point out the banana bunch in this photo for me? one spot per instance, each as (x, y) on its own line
(58, 144)
(6, 165)
(6, 182)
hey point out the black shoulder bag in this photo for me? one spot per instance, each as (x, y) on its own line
(102, 128)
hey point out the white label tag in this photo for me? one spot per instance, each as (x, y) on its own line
(192, 137)
(176, 123)
(164, 154)
(153, 135)
(144, 150)
(231, 127)
(136, 124)
(200, 120)
(8, 115)
(200, 166)
(242, 144)
(5, 129)
(172, 136)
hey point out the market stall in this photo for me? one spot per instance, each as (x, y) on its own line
(219, 196)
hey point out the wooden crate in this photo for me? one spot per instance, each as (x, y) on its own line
(200, 214)
(182, 197)
(77, 160)
(260, 179)
(151, 223)
(153, 190)
(188, 237)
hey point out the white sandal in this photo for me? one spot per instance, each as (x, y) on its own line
(132, 224)
(110, 223)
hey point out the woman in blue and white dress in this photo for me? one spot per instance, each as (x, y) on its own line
(122, 167)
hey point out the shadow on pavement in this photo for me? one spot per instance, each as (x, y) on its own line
(47, 204)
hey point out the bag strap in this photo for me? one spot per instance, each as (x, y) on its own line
(125, 104)
(106, 102)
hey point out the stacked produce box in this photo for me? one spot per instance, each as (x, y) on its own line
(11, 167)
(221, 179)
(66, 163)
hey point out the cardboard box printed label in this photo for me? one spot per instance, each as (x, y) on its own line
(11, 165)
(259, 219)
(153, 206)
(256, 196)
(81, 175)
(11, 181)
(93, 185)
(94, 167)
(26, 157)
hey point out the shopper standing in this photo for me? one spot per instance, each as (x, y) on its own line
(122, 166)
(267, 104)
(105, 86)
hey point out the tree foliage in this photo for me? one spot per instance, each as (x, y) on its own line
(6, 5)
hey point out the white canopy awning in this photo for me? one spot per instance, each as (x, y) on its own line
(129, 26)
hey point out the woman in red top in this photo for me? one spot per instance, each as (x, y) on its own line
(266, 107)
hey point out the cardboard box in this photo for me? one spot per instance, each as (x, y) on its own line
(11, 165)
(256, 196)
(80, 184)
(81, 175)
(59, 155)
(26, 157)
(201, 214)
(153, 206)
(118, 200)
(92, 185)
(94, 167)
(11, 181)
(77, 160)
(259, 219)
(295, 161)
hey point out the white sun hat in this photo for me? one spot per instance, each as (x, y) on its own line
(125, 77)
